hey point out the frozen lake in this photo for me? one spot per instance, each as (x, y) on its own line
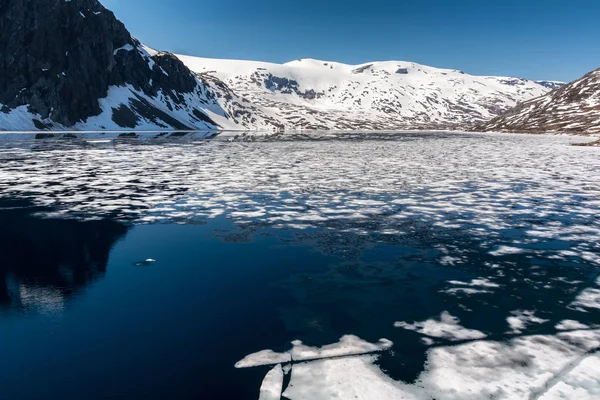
(303, 267)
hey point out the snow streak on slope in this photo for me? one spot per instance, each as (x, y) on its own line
(573, 108)
(312, 94)
(129, 107)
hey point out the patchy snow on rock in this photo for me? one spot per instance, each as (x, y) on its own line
(313, 94)
(570, 108)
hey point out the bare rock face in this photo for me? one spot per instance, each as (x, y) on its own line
(572, 108)
(59, 57)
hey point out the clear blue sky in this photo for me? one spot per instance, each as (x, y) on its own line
(533, 39)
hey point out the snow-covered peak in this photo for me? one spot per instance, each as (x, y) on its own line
(316, 94)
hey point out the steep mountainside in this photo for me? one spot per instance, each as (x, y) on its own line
(573, 108)
(313, 94)
(72, 64)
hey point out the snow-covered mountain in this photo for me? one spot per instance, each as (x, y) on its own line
(312, 94)
(572, 108)
(70, 64)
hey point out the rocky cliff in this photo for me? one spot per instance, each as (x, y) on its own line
(71, 63)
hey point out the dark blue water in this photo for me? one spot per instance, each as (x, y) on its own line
(83, 315)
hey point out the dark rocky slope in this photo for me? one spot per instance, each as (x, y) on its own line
(573, 108)
(59, 57)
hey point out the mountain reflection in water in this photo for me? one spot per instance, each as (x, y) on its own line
(44, 262)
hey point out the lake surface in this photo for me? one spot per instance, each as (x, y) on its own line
(322, 265)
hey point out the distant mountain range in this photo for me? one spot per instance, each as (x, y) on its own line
(73, 65)
(313, 94)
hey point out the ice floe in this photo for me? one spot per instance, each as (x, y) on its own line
(570, 325)
(263, 357)
(588, 299)
(520, 319)
(446, 327)
(483, 282)
(272, 385)
(581, 381)
(348, 345)
(527, 367)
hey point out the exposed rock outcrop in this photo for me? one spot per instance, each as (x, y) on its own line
(572, 108)
(61, 58)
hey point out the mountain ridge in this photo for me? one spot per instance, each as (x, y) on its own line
(572, 108)
(73, 65)
(315, 94)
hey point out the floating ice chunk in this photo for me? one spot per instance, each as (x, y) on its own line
(506, 250)
(264, 357)
(145, 263)
(513, 370)
(447, 327)
(520, 319)
(482, 282)
(348, 345)
(522, 368)
(99, 141)
(588, 298)
(345, 378)
(570, 325)
(272, 385)
(449, 260)
(466, 291)
(582, 382)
